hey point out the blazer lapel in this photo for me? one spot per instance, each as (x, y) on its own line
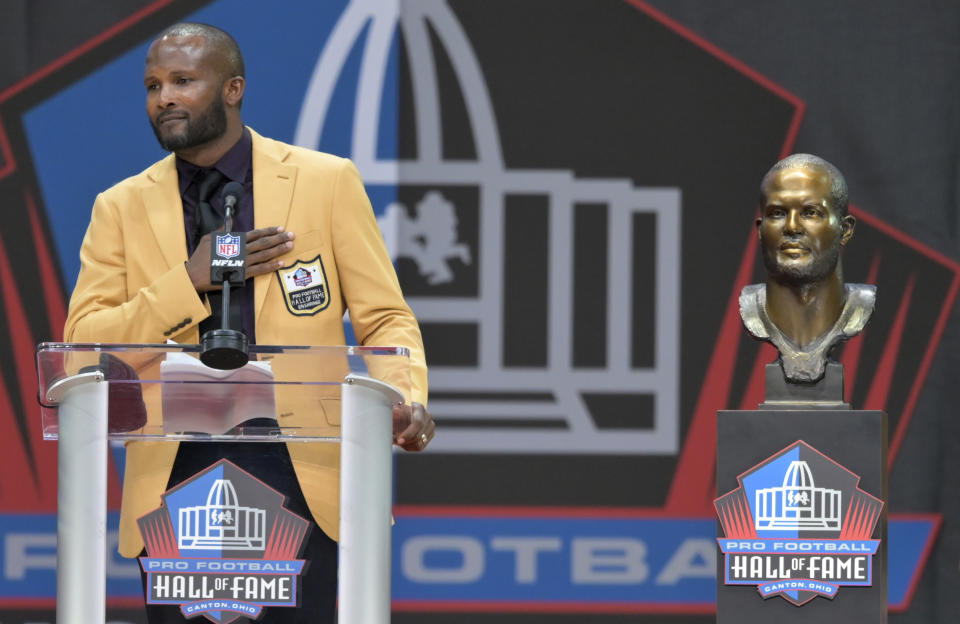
(164, 211)
(273, 183)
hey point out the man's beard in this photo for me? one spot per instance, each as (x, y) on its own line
(210, 124)
(809, 273)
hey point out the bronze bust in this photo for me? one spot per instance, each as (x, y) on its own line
(804, 309)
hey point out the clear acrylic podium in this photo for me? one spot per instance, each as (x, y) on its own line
(92, 393)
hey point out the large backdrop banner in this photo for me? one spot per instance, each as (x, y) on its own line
(568, 190)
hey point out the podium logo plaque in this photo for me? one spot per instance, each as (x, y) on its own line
(798, 527)
(222, 546)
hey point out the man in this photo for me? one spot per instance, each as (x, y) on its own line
(145, 278)
(804, 308)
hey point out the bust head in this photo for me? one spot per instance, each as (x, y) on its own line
(803, 221)
(804, 308)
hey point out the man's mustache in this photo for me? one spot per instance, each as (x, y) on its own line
(165, 116)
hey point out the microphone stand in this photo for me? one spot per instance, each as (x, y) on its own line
(225, 308)
(226, 348)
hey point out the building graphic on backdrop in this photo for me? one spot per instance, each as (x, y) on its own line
(487, 256)
(798, 504)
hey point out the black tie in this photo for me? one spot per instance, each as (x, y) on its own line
(208, 221)
(207, 218)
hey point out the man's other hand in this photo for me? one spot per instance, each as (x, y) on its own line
(420, 430)
(263, 247)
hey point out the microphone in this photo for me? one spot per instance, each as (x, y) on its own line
(232, 192)
(226, 348)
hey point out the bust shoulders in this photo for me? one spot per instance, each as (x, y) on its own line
(806, 364)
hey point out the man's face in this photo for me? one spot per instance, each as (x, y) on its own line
(184, 93)
(800, 231)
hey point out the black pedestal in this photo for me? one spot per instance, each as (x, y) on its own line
(857, 440)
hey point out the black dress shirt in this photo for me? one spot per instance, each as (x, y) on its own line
(236, 166)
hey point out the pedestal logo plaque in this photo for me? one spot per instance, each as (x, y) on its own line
(798, 527)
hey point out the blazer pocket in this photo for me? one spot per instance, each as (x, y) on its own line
(306, 246)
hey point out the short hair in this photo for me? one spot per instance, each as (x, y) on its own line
(838, 185)
(219, 39)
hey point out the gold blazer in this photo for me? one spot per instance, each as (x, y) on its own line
(133, 288)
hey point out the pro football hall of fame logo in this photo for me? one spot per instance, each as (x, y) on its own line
(223, 546)
(798, 527)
